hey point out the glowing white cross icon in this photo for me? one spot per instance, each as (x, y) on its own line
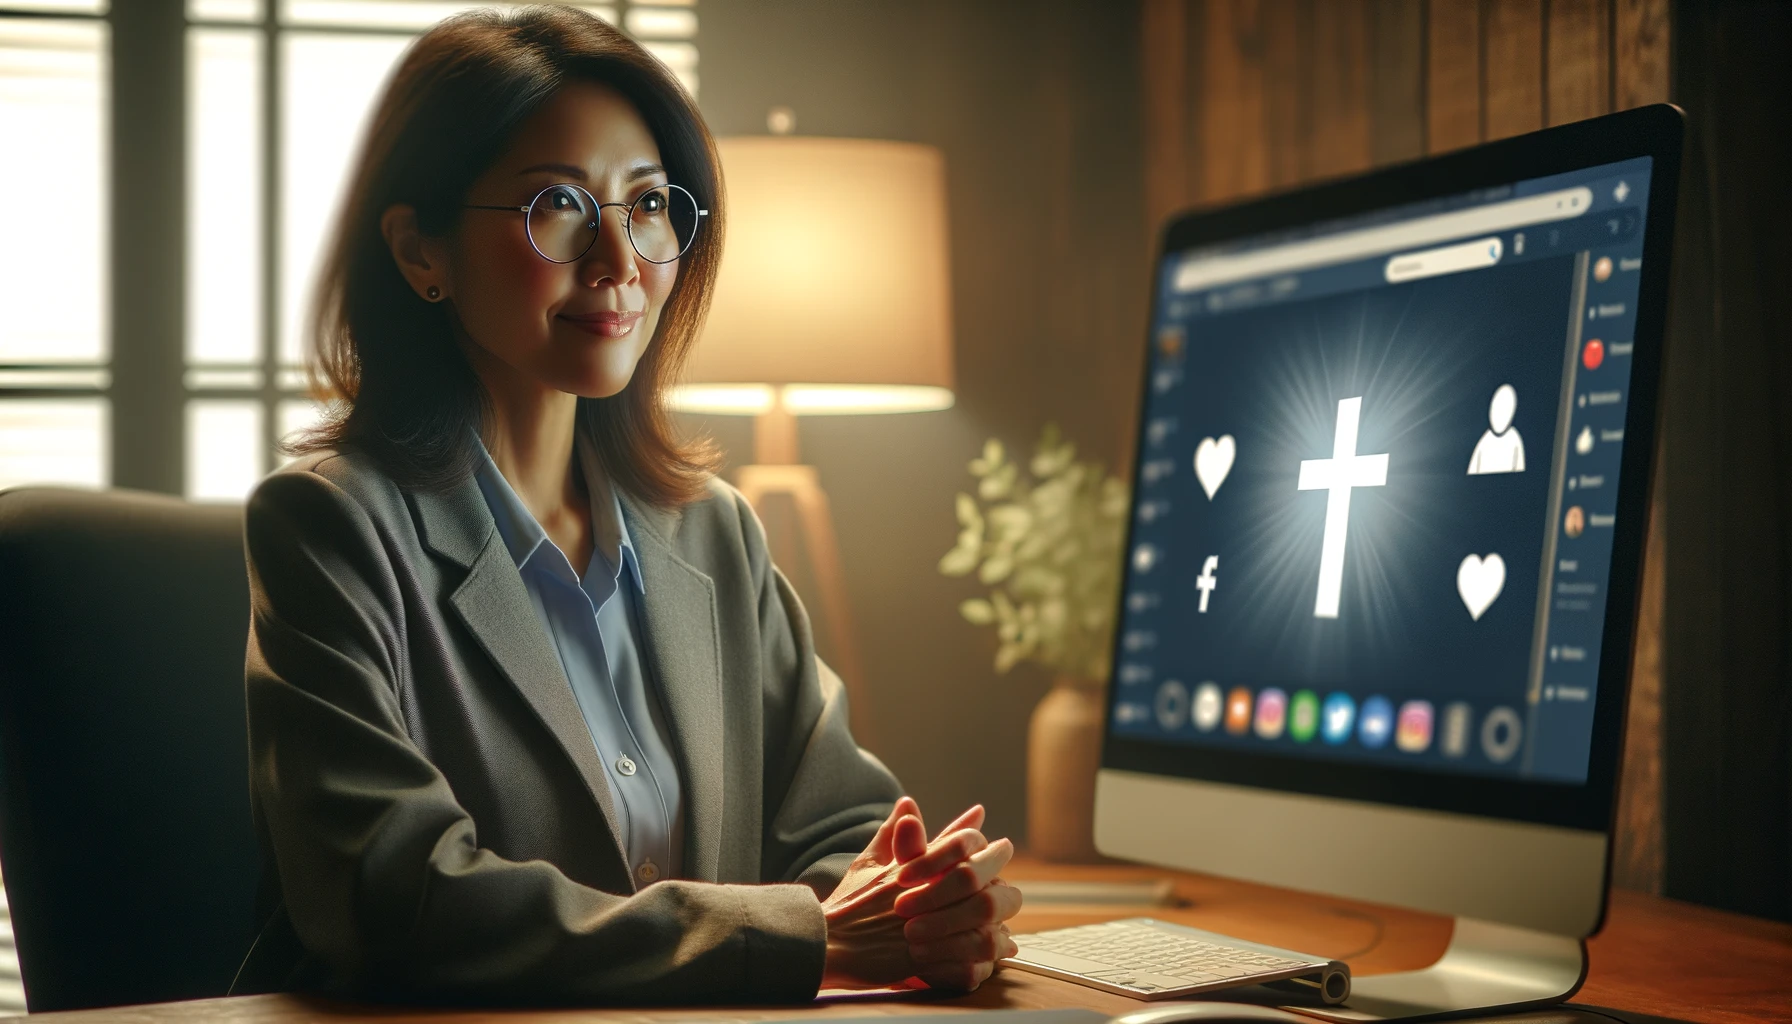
(1338, 474)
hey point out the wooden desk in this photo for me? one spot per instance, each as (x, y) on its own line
(1655, 957)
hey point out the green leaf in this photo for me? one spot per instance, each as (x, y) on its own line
(1032, 546)
(1006, 656)
(998, 484)
(1038, 579)
(958, 561)
(1051, 454)
(966, 508)
(990, 460)
(997, 568)
(977, 611)
(1010, 522)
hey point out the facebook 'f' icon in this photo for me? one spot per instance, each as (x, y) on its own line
(1207, 580)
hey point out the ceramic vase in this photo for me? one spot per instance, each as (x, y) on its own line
(1063, 752)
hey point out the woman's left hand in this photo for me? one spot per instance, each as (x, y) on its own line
(958, 905)
(900, 839)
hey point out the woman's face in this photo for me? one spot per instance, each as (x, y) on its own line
(576, 327)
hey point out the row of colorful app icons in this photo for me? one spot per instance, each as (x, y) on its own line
(1337, 720)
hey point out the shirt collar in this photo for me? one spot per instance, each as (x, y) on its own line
(625, 548)
(523, 536)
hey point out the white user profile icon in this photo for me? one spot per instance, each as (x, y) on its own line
(1208, 705)
(1500, 449)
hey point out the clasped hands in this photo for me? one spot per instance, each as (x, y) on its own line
(908, 908)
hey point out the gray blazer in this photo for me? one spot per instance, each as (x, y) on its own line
(435, 817)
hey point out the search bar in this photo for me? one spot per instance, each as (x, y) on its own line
(1449, 259)
(1207, 272)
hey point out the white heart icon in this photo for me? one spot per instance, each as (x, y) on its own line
(1213, 460)
(1479, 581)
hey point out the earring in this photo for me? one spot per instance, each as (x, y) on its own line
(433, 293)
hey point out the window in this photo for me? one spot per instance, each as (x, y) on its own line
(54, 338)
(240, 117)
(274, 94)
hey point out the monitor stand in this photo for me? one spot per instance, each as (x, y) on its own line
(1486, 967)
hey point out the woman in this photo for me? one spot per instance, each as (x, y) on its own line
(532, 717)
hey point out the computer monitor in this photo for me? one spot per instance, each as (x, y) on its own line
(1389, 504)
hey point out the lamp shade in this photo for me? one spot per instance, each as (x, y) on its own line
(834, 283)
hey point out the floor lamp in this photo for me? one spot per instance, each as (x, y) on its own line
(834, 298)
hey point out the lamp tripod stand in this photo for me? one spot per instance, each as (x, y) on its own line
(777, 473)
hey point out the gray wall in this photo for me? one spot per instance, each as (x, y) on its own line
(1036, 106)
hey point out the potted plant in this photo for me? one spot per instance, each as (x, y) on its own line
(1045, 538)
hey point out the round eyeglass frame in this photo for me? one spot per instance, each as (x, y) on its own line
(628, 220)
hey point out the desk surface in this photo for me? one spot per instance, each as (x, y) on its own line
(1655, 956)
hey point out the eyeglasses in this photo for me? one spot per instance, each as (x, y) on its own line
(564, 219)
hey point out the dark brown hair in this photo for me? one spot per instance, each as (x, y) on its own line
(405, 391)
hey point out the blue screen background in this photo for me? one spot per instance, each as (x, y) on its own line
(1426, 358)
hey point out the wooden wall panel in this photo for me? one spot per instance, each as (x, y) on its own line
(1287, 72)
(1511, 68)
(1194, 132)
(1638, 852)
(1286, 33)
(1166, 106)
(1727, 707)
(1578, 71)
(1640, 53)
(1274, 93)
(1339, 89)
(1314, 88)
(1452, 75)
(1234, 135)
(1396, 80)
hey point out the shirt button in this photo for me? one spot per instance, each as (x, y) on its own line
(647, 872)
(625, 765)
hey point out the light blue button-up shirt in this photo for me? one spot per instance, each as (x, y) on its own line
(594, 624)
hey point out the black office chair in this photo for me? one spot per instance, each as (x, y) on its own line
(129, 858)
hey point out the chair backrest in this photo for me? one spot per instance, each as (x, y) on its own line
(129, 858)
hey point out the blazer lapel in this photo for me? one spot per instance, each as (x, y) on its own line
(494, 604)
(682, 648)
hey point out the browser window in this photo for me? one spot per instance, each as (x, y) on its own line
(1377, 482)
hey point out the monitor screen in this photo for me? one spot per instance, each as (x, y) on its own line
(1377, 480)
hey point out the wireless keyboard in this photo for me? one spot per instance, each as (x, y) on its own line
(1150, 959)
